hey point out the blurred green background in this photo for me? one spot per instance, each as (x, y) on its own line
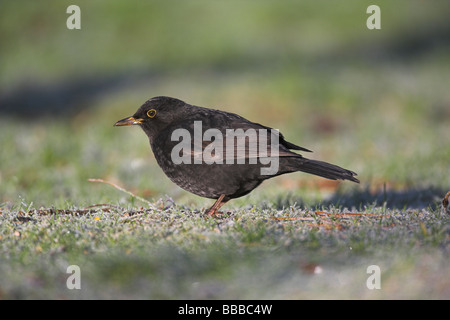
(374, 101)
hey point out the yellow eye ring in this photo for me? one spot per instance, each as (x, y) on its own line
(151, 113)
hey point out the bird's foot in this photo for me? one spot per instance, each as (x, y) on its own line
(215, 214)
(214, 210)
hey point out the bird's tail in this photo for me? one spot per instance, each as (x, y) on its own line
(326, 170)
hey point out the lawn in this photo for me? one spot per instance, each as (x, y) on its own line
(373, 101)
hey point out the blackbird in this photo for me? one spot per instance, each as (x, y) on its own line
(217, 154)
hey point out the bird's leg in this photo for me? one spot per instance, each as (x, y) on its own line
(445, 203)
(216, 206)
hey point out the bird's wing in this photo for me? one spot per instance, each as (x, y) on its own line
(231, 120)
(228, 138)
(283, 142)
(243, 141)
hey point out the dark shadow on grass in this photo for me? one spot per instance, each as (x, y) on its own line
(71, 95)
(411, 198)
(65, 98)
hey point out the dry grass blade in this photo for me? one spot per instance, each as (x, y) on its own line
(340, 215)
(103, 205)
(126, 191)
(293, 218)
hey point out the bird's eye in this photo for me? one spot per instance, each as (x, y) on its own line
(151, 113)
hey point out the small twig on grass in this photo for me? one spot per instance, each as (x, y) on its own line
(340, 215)
(104, 205)
(293, 218)
(126, 191)
(325, 219)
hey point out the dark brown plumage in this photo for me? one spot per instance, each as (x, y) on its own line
(241, 169)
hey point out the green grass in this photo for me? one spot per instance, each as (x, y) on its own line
(177, 253)
(375, 102)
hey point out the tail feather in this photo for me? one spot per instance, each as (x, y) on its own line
(326, 170)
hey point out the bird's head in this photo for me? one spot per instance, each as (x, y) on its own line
(156, 114)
